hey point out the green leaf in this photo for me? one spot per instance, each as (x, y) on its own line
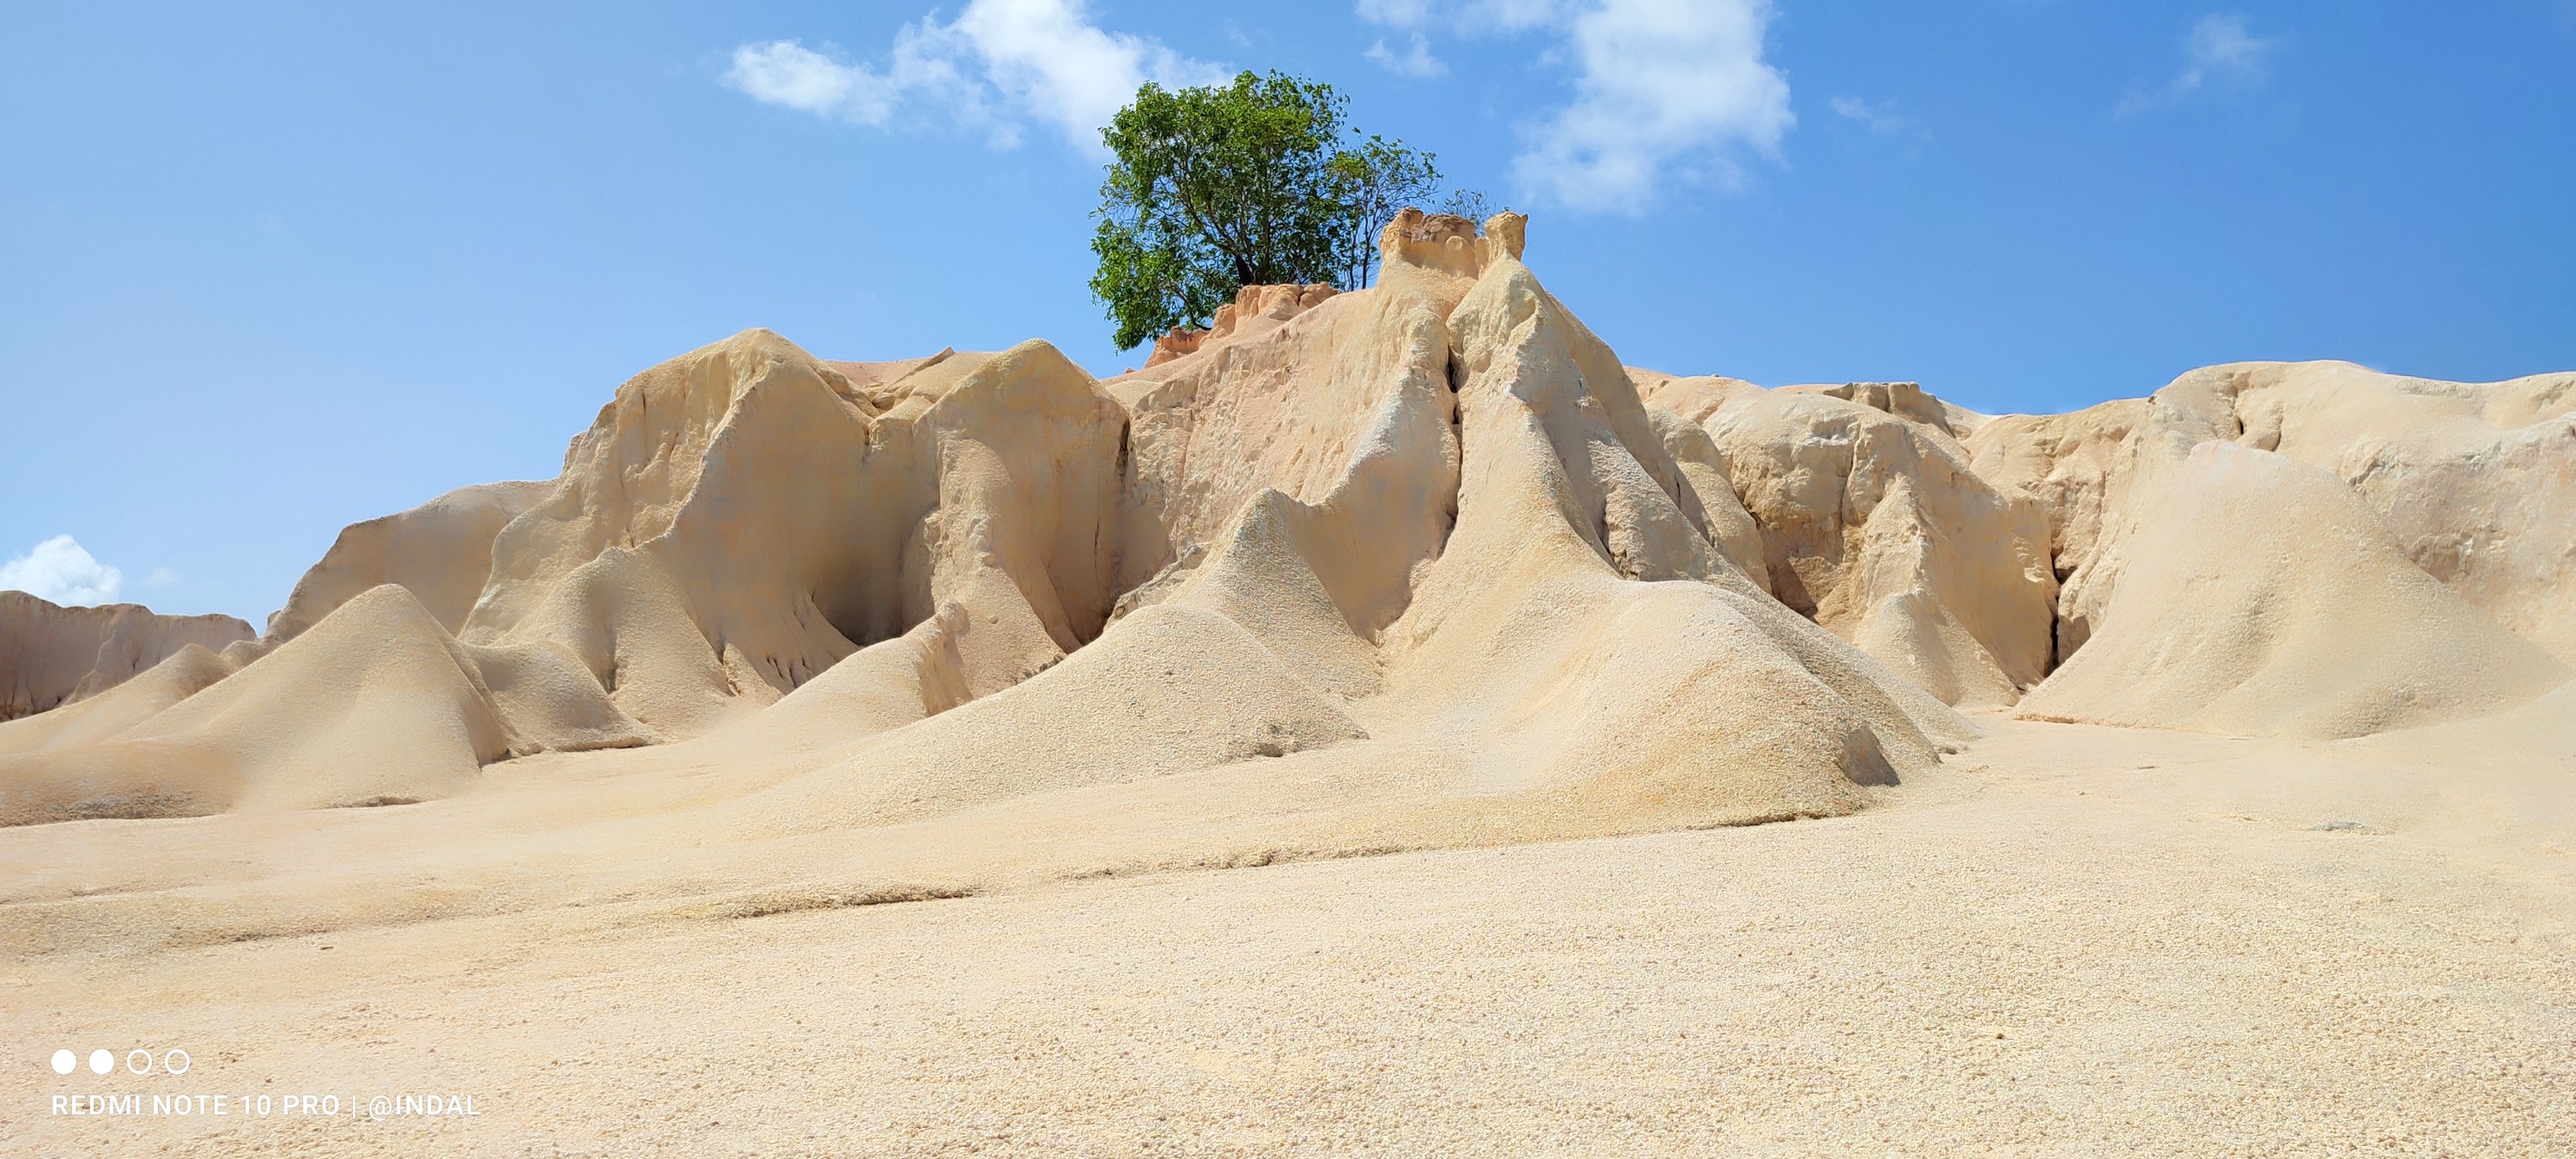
(1246, 183)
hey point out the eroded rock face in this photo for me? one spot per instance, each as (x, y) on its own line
(2262, 597)
(51, 655)
(1585, 616)
(1906, 400)
(2081, 469)
(1693, 397)
(1871, 522)
(735, 523)
(2477, 482)
(1254, 309)
(1352, 394)
(1429, 543)
(441, 551)
(742, 518)
(1430, 519)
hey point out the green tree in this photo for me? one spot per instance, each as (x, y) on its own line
(1255, 182)
(1372, 180)
(1213, 189)
(1469, 204)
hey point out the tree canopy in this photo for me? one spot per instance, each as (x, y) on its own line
(1372, 180)
(1255, 182)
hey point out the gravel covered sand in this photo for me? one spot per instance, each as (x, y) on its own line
(2068, 941)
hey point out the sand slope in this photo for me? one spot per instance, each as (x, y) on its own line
(1166, 690)
(2474, 480)
(2044, 948)
(441, 551)
(52, 655)
(376, 704)
(1582, 615)
(187, 672)
(2262, 598)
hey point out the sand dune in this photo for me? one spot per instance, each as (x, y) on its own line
(99, 718)
(2263, 599)
(376, 704)
(439, 551)
(2473, 480)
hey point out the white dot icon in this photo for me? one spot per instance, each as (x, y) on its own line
(64, 1061)
(101, 1062)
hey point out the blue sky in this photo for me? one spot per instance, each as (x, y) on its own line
(269, 269)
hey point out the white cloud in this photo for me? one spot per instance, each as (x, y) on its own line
(161, 577)
(1515, 15)
(1464, 15)
(1664, 86)
(1416, 62)
(1047, 56)
(2220, 47)
(998, 62)
(1400, 13)
(1664, 90)
(2219, 51)
(1879, 117)
(789, 74)
(59, 570)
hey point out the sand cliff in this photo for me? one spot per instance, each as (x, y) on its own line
(52, 655)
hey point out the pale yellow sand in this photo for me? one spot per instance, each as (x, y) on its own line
(1339, 737)
(52, 655)
(2067, 941)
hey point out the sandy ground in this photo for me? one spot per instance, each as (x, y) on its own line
(2069, 941)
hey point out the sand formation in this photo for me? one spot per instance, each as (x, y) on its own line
(1425, 561)
(52, 655)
